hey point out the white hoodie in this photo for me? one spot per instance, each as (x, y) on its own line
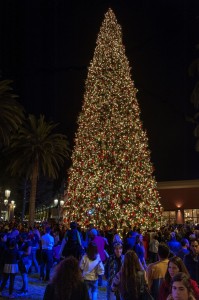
(91, 268)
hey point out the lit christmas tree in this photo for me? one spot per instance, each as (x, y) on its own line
(110, 180)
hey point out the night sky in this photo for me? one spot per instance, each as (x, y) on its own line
(46, 48)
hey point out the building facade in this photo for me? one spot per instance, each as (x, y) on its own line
(180, 200)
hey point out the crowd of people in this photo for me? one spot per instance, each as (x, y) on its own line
(157, 264)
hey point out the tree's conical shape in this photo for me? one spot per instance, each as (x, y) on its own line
(110, 180)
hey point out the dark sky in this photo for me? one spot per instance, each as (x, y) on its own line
(46, 48)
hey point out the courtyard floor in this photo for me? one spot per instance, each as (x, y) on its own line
(36, 289)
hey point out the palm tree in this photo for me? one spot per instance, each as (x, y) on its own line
(35, 150)
(11, 112)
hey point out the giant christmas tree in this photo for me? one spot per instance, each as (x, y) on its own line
(110, 180)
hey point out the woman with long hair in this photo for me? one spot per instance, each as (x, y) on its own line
(181, 288)
(130, 278)
(175, 265)
(67, 282)
(92, 266)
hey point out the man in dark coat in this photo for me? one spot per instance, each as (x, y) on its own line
(112, 267)
(191, 260)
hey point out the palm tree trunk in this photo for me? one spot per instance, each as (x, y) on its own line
(24, 199)
(33, 193)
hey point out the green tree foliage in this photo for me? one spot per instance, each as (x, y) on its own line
(35, 150)
(11, 112)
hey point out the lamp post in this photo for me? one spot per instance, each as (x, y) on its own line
(58, 204)
(7, 195)
(10, 206)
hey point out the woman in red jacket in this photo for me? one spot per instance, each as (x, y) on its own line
(175, 265)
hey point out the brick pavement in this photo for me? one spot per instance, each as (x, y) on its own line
(36, 289)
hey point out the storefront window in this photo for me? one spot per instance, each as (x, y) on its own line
(191, 216)
(169, 217)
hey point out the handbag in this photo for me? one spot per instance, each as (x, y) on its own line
(144, 291)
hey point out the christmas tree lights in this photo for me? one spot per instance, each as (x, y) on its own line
(110, 180)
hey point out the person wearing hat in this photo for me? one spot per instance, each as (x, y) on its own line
(112, 267)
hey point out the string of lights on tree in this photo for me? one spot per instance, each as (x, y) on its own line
(110, 180)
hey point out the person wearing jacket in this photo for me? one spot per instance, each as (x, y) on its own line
(191, 260)
(92, 266)
(175, 265)
(181, 288)
(113, 266)
(10, 270)
(130, 279)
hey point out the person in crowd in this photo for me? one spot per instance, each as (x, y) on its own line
(56, 251)
(106, 247)
(67, 282)
(3, 246)
(112, 267)
(129, 241)
(181, 288)
(173, 244)
(140, 250)
(47, 243)
(56, 234)
(35, 246)
(156, 271)
(175, 265)
(128, 280)
(153, 248)
(100, 242)
(92, 266)
(184, 248)
(36, 231)
(26, 258)
(10, 270)
(191, 260)
(116, 237)
(71, 243)
(13, 234)
(87, 238)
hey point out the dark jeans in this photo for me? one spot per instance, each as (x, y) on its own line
(92, 288)
(34, 259)
(5, 279)
(46, 261)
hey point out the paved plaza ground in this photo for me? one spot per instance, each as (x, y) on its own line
(36, 289)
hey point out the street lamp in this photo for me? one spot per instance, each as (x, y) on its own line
(11, 209)
(7, 195)
(10, 206)
(59, 204)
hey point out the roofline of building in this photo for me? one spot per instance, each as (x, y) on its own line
(178, 184)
